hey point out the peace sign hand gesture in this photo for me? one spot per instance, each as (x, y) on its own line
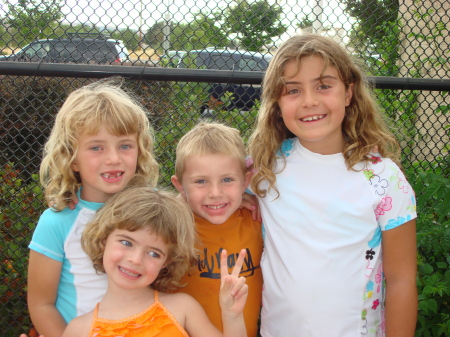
(233, 290)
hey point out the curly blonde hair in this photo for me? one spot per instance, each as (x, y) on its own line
(85, 111)
(139, 206)
(363, 126)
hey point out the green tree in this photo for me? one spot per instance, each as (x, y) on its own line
(254, 24)
(32, 19)
(372, 17)
(155, 35)
(200, 33)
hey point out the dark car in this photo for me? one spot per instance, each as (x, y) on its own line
(74, 48)
(243, 97)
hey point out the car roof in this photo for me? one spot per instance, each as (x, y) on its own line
(229, 51)
(65, 39)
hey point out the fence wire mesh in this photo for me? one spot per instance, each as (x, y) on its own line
(398, 39)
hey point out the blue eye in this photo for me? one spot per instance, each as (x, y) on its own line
(125, 147)
(201, 181)
(126, 243)
(153, 254)
(227, 180)
(95, 148)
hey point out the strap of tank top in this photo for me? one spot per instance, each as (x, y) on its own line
(155, 292)
(96, 311)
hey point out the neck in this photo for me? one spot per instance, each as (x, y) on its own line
(325, 147)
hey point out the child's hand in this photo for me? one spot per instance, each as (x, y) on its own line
(74, 202)
(251, 203)
(233, 290)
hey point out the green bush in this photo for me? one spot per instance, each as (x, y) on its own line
(28, 106)
(433, 243)
(20, 207)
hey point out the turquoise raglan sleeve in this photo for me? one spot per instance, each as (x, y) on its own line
(51, 232)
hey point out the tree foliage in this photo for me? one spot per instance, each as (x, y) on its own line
(155, 35)
(372, 17)
(204, 31)
(245, 24)
(33, 19)
(254, 24)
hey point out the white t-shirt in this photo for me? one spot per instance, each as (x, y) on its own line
(322, 265)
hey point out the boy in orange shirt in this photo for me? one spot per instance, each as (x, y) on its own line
(211, 175)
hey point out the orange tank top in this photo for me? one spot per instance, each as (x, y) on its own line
(155, 321)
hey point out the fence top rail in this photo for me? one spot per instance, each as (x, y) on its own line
(143, 72)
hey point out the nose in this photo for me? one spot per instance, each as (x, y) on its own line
(309, 99)
(135, 256)
(113, 156)
(214, 190)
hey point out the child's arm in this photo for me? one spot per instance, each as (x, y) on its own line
(232, 296)
(400, 267)
(43, 279)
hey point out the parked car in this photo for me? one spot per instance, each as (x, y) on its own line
(171, 58)
(76, 48)
(243, 97)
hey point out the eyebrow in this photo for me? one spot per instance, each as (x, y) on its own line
(317, 79)
(128, 238)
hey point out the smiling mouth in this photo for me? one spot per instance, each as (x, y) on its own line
(312, 118)
(216, 206)
(127, 272)
(108, 175)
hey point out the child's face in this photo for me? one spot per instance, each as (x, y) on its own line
(105, 163)
(213, 186)
(133, 260)
(313, 109)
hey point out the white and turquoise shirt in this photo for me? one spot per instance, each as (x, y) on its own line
(58, 236)
(322, 262)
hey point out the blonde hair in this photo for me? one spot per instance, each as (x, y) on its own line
(363, 124)
(206, 139)
(85, 111)
(139, 206)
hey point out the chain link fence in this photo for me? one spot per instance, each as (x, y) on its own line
(189, 61)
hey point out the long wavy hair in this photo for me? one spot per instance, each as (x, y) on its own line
(364, 127)
(85, 111)
(141, 206)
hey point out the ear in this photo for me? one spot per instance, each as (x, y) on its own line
(178, 186)
(74, 166)
(246, 182)
(349, 94)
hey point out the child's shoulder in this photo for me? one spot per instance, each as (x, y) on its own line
(50, 215)
(379, 165)
(79, 326)
(178, 297)
(178, 303)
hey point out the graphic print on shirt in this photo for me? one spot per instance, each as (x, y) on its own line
(209, 263)
(286, 147)
(373, 294)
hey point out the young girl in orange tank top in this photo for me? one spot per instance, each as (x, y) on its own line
(144, 241)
